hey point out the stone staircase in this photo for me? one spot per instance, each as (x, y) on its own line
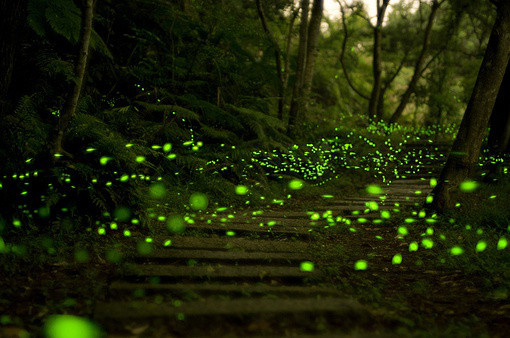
(257, 282)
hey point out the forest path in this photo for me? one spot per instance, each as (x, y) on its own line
(273, 273)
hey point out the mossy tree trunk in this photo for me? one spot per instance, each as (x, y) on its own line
(312, 50)
(297, 91)
(309, 33)
(377, 59)
(80, 65)
(466, 147)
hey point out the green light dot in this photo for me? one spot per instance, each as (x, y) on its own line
(481, 246)
(429, 199)
(468, 186)
(241, 190)
(140, 159)
(157, 190)
(374, 189)
(167, 147)
(427, 243)
(307, 266)
(124, 178)
(64, 326)
(296, 184)
(385, 214)
(175, 224)
(430, 231)
(360, 265)
(502, 243)
(373, 205)
(397, 259)
(198, 201)
(413, 247)
(168, 242)
(101, 231)
(127, 233)
(433, 182)
(456, 250)
(230, 233)
(402, 231)
(104, 160)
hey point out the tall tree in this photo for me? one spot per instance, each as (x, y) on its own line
(297, 91)
(377, 58)
(419, 65)
(282, 66)
(309, 31)
(466, 147)
(87, 9)
(499, 135)
(311, 49)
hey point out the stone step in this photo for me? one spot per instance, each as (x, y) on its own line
(218, 271)
(234, 307)
(239, 227)
(235, 244)
(206, 255)
(201, 288)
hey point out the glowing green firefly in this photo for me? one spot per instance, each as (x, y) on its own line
(374, 189)
(307, 266)
(241, 190)
(360, 265)
(481, 246)
(167, 147)
(468, 186)
(402, 231)
(198, 201)
(433, 182)
(296, 184)
(64, 326)
(427, 243)
(157, 190)
(104, 160)
(456, 250)
(397, 259)
(175, 224)
(502, 243)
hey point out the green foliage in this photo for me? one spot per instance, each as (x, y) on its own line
(63, 18)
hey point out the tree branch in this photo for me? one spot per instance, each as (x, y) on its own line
(342, 54)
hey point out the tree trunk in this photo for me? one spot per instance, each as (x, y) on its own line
(418, 66)
(277, 57)
(311, 50)
(297, 92)
(377, 60)
(499, 135)
(466, 147)
(286, 72)
(79, 73)
(342, 55)
(11, 21)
